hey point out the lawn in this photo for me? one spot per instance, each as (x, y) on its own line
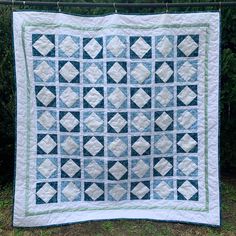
(125, 227)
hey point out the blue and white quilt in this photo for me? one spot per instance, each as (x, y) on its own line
(117, 117)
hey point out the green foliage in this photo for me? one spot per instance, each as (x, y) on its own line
(7, 96)
(228, 91)
(228, 82)
(108, 226)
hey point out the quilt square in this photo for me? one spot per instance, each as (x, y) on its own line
(117, 146)
(187, 71)
(93, 48)
(93, 73)
(44, 71)
(140, 168)
(117, 117)
(163, 189)
(117, 122)
(164, 120)
(43, 45)
(69, 72)
(187, 166)
(116, 46)
(46, 120)
(163, 166)
(46, 192)
(69, 121)
(117, 192)
(117, 72)
(187, 190)
(187, 142)
(164, 97)
(68, 46)
(94, 191)
(164, 72)
(140, 47)
(45, 96)
(70, 191)
(117, 170)
(187, 45)
(141, 73)
(164, 46)
(69, 145)
(187, 95)
(47, 168)
(140, 145)
(93, 146)
(70, 168)
(163, 143)
(140, 97)
(69, 97)
(187, 119)
(140, 190)
(94, 169)
(93, 121)
(117, 97)
(46, 144)
(141, 121)
(93, 97)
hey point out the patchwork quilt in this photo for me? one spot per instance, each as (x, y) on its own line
(117, 117)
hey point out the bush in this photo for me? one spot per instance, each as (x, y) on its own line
(227, 99)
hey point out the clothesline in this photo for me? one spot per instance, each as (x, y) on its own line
(118, 5)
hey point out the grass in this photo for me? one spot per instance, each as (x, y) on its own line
(125, 227)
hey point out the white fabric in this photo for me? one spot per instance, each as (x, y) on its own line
(134, 199)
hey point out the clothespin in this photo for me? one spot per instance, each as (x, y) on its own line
(58, 6)
(12, 4)
(114, 5)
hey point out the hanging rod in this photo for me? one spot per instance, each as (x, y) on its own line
(118, 5)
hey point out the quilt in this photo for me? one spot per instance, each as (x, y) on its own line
(117, 117)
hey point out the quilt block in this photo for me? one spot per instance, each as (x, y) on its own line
(117, 117)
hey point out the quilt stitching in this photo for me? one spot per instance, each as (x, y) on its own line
(82, 209)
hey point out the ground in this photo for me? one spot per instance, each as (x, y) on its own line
(125, 227)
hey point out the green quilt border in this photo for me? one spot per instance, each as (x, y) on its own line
(23, 30)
